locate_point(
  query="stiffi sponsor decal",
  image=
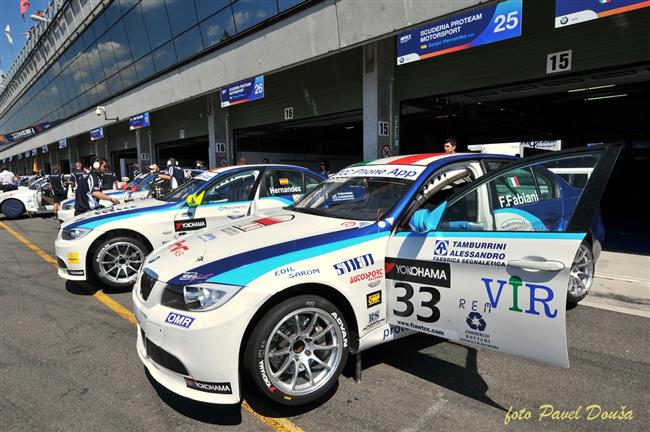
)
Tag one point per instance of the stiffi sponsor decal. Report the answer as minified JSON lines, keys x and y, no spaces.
{"x":220,"y":388}
{"x":179,"y":320}
{"x":190,"y":225}
{"x":424,"y":272}
{"x":354,"y":264}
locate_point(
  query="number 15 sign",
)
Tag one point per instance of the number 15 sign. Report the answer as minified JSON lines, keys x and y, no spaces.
{"x":243,"y":91}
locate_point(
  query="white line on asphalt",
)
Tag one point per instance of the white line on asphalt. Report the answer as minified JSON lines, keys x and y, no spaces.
{"x":619,"y":309}
{"x":619,"y":278}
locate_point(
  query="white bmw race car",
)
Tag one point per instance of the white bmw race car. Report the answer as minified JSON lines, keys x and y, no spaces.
{"x":429,"y":243}
{"x":111,"y":243}
{"x":27,"y":199}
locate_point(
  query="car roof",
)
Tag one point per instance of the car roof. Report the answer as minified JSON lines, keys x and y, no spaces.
{"x":232,"y":167}
{"x":425,"y":159}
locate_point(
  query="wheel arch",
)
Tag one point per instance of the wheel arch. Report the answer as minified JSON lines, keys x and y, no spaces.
{"x":114,"y":233}
{"x":22,"y":203}
{"x":322,"y":290}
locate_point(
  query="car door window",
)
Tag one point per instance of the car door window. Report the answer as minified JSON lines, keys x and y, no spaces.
{"x":279,"y":182}
{"x":231,"y":188}
{"x":311,"y":182}
{"x":528,"y":198}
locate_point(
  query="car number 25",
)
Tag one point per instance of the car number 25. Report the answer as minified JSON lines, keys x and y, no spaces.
{"x":424,"y":297}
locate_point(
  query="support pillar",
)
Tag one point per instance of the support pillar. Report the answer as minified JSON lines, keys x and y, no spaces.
{"x":378,"y":99}
{"x":220,"y":149}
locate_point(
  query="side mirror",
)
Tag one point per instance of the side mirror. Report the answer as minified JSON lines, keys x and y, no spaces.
{"x":424,"y":221}
{"x":194,"y":200}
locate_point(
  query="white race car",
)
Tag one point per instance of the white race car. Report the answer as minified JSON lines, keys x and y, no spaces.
{"x":111,"y":244}
{"x":27,"y":199}
{"x":379,"y":250}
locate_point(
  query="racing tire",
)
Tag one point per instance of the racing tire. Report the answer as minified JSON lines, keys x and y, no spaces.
{"x":582,"y":273}
{"x":116,"y":261}
{"x":12,"y":208}
{"x":294,"y":361}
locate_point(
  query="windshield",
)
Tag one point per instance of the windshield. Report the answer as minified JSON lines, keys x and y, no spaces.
{"x":187,"y":189}
{"x":356,"y":198}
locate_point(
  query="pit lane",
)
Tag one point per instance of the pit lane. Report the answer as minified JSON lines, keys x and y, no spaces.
{"x":68,"y":362}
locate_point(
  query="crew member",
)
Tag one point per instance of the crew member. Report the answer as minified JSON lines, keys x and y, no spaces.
{"x":174,"y":173}
{"x":7,"y":179}
{"x":58,"y":187}
{"x":109,"y":179}
{"x":449,"y":146}
{"x":77,"y":172}
{"x":88,"y":192}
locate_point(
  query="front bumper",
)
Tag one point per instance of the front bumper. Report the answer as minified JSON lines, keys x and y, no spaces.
{"x":206,"y":352}
{"x":71,"y":256}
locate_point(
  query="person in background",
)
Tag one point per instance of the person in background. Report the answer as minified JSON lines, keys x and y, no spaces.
{"x":242,"y":161}
{"x":58,"y":187}
{"x":77,"y":172}
{"x":449,"y":146}
{"x":8,"y":180}
{"x":108,"y":178}
{"x":201,"y":165}
{"x":135,"y":171}
{"x":325,"y":168}
{"x":89,"y":191}
{"x":174,"y":173}
{"x":265,"y":160}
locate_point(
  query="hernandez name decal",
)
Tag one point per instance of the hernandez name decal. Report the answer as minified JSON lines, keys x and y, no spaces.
{"x":221,"y":388}
{"x":190,"y":225}
{"x":424,"y":272}
{"x":284,"y":190}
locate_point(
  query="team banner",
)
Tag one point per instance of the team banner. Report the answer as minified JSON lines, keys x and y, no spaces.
{"x":243,"y":91}
{"x":44,"y":149}
{"x":22,"y":134}
{"x":34,"y":152}
{"x":63,"y":143}
{"x":139,"y":121}
{"x":97,"y":134}
{"x":569,"y":12}
{"x":480,"y":26}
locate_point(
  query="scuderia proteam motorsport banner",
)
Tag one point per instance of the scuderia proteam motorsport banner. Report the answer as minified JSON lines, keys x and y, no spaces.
{"x":493,"y":22}
{"x":568,"y":12}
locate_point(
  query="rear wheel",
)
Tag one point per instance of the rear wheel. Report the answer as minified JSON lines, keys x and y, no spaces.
{"x":116,"y":261}
{"x":297,"y":350}
{"x":582,"y":274}
{"x":12,"y":208}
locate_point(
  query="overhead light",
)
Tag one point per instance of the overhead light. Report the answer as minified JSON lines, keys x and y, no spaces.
{"x":349,"y":127}
{"x":591,"y":88}
{"x":606,"y":97}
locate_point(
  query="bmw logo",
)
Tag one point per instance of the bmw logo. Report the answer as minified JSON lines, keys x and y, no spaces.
{"x":564,"y":20}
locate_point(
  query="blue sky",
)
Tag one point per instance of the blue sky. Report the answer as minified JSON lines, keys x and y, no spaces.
{"x":10,"y":14}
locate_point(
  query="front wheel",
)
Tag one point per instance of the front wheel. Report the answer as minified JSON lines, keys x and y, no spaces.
{"x":582,"y":274}
{"x":116,"y":261}
{"x":297,"y":350}
{"x":12,"y":208}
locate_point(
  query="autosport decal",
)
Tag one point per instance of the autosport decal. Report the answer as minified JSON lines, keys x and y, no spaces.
{"x":219,"y":388}
{"x":237,"y":269}
{"x":190,"y":225}
{"x":424,"y":272}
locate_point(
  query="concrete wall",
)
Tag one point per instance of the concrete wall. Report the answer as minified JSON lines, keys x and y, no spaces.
{"x":319,"y":30}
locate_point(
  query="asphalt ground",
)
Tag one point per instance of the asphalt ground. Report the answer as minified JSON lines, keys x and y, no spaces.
{"x":68,"y":362}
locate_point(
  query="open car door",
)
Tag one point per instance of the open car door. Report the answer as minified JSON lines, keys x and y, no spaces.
{"x":490,"y":265}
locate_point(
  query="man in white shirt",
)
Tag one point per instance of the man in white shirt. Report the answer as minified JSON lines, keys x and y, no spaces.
{"x":7,"y":179}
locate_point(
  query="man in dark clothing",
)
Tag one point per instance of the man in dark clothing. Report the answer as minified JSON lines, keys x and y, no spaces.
{"x":174,"y":173}
{"x":57,"y":185}
{"x":89,"y":189}
{"x":109,"y":179}
{"x":77,"y":172}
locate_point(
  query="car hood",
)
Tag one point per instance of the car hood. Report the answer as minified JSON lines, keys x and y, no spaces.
{"x":95,"y":218}
{"x":239,"y":252}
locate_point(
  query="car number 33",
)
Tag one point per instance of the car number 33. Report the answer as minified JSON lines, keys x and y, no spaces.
{"x":426,"y":299}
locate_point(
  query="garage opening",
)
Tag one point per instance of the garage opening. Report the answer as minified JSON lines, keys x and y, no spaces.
{"x":604,"y":107}
{"x":336,"y":138}
{"x":185,"y":151}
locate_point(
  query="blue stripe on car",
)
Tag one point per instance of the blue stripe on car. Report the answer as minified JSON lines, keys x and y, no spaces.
{"x":242,"y":268}
{"x":98,"y":220}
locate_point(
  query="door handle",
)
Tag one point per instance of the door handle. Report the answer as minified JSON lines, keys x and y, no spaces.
{"x":235,"y":215}
{"x":554,"y":266}
{"x":185,"y":214}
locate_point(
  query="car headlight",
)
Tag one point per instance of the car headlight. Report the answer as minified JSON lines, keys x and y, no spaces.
{"x":74,"y":233}
{"x":198,"y":297}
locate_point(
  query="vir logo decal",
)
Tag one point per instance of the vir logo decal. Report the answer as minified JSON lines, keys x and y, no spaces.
{"x":515,"y":282}
{"x":441,"y":247}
